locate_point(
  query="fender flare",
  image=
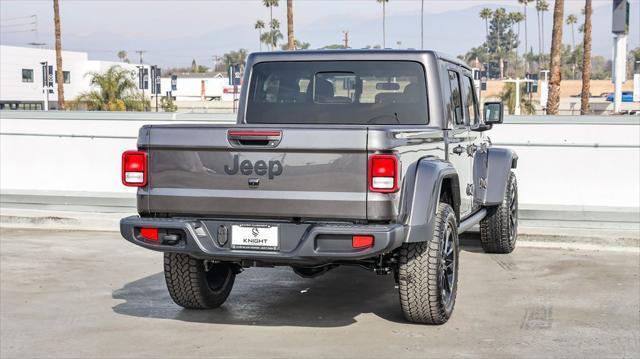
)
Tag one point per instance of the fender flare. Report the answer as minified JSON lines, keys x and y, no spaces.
{"x":422,"y":196}
{"x":491,"y":169}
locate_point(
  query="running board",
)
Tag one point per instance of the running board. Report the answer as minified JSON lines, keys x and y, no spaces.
{"x":472,"y":220}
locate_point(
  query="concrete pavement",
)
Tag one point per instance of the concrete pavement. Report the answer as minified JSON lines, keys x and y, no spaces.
{"x":91,"y":294}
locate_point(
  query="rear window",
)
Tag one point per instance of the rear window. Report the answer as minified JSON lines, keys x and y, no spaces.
{"x":338,"y":92}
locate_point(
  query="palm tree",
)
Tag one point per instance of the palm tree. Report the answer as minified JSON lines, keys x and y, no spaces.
{"x":115,"y":90}
{"x":270,"y":4}
{"x":516,"y":18}
{"x":122,"y":55}
{"x":508,"y":97}
{"x":553,"y":102}
{"x":259,"y":26}
{"x":59,"y":75}
{"x":291,"y":45}
{"x":486,"y":14}
{"x":526,"y":45}
{"x":586,"y":59}
{"x":541,"y":7}
{"x":571,"y":21}
{"x":272,"y":37}
{"x":422,"y":24}
{"x":384,"y":29}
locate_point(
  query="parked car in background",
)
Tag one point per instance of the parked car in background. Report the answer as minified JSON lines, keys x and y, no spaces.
{"x":627,"y":96}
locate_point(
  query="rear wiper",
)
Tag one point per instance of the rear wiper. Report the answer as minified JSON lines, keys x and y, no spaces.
{"x":394,"y":116}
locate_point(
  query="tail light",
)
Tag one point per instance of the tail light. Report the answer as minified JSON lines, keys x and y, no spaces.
{"x":134,"y":168}
{"x":383,"y":173}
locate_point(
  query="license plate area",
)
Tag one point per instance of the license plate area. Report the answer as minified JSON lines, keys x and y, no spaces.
{"x":255,"y":236}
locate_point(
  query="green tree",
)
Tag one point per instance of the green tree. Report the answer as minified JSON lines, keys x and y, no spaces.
{"x":259,"y":25}
{"x":167,"y":104}
{"x":486,"y":14}
{"x":541,"y":7}
{"x":114,"y":90}
{"x":272,"y":36}
{"x":384,"y":22}
{"x":571,"y":21}
{"x":194,"y":66}
{"x":122,"y":56}
{"x":235,"y":57}
{"x":335,"y":47}
{"x":501,"y":38}
{"x":298,"y":45}
{"x":526,"y":35}
{"x":508,"y":97}
{"x":271,"y":4}
{"x":516,"y":18}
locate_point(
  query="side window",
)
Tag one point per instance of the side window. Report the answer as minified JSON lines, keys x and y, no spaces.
{"x":470,"y":104}
{"x":456,"y":98}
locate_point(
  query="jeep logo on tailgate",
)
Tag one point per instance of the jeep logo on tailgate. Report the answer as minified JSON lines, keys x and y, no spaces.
{"x":260,"y":168}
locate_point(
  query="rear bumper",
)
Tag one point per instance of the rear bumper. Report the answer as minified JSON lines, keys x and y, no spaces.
{"x":300,"y":244}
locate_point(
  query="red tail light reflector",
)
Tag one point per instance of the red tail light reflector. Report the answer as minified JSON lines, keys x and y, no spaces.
{"x":361,"y":242}
{"x":134,"y":168}
{"x":149,"y":233}
{"x":383,"y":173}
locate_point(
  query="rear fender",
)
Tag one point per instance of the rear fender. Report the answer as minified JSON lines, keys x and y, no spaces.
{"x":422,"y":196}
{"x":491,"y":170}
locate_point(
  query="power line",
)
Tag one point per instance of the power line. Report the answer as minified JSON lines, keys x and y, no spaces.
{"x":17,"y":18}
{"x":13,"y":32}
{"x":23,"y":24}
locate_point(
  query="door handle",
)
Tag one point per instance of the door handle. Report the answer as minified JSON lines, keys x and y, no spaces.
{"x":471,"y":149}
{"x":458,"y":150}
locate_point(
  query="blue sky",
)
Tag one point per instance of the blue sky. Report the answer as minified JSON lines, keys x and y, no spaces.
{"x":175,"y":32}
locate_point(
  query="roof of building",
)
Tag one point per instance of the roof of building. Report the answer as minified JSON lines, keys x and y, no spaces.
{"x":197,"y":75}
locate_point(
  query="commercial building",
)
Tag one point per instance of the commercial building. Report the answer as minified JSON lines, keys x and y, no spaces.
{"x":21,"y":75}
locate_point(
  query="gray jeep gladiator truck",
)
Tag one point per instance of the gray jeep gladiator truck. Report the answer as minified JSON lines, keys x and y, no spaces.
{"x":373,"y":158}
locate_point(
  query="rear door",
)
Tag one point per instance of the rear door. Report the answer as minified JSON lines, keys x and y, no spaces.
{"x":458,"y":138}
{"x":258,"y":172}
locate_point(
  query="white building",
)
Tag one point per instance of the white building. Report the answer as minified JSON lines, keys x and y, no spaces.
{"x":21,"y":85}
{"x":198,"y":87}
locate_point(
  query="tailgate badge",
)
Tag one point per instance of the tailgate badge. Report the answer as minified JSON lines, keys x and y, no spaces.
{"x":254,"y":182}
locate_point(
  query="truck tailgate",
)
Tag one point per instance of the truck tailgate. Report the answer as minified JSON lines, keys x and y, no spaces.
{"x":233,"y":171}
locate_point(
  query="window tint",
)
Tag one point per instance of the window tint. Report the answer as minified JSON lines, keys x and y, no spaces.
{"x":456,"y":98}
{"x":337,"y":92}
{"x":471,"y":105}
{"x":27,"y":75}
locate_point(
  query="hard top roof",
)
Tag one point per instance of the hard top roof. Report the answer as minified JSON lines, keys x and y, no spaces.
{"x":339,"y":54}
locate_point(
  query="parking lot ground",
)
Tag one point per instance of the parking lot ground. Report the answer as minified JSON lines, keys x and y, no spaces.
{"x":91,"y":294}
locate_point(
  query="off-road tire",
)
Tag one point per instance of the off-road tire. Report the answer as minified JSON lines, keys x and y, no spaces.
{"x":192,"y":286}
{"x":420,"y":272}
{"x":499,"y":229}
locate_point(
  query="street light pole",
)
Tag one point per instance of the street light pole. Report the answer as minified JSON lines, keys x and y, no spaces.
{"x":517,"y":81}
{"x":45,"y":85}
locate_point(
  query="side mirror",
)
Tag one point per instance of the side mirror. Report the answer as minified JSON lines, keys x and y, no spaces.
{"x":493,"y":113}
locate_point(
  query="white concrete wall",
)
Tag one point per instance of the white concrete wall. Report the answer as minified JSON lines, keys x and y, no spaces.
{"x":558,"y":164}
